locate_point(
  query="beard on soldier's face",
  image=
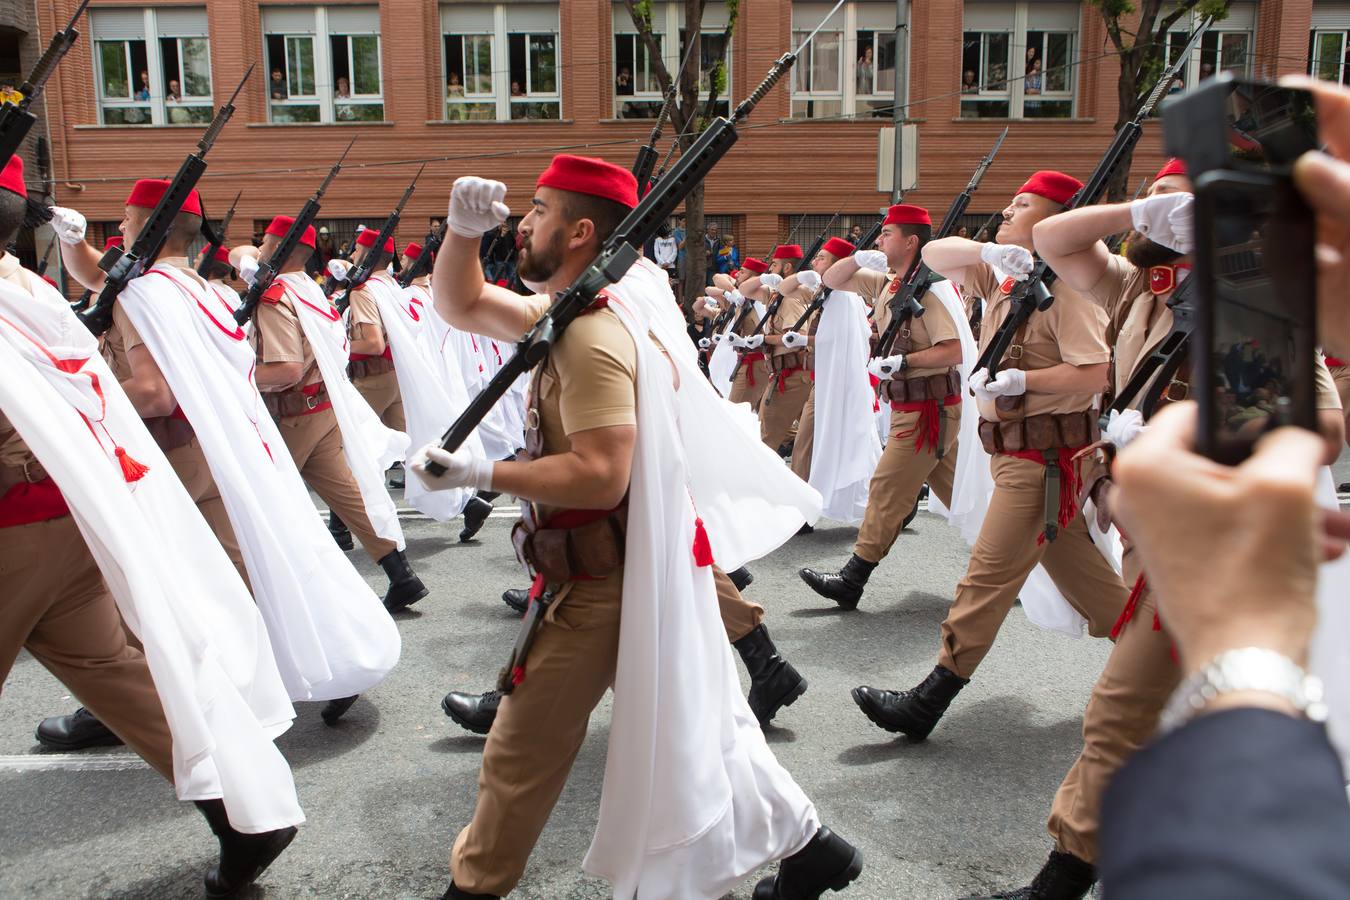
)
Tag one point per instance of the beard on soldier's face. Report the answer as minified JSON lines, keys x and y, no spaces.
{"x":1145,"y":254}
{"x":538,"y":262}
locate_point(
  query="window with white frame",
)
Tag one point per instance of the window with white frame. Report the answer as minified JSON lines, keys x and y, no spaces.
{"x":135,"y":86}
{"x":323,"y":64}
{"x":1019,"y":60}
{"x":1329,"y":42}
{"x":850,"y":66}
{"x":637,"y":91}
{"x":501,"y":61}
{"x":1225,"y":47}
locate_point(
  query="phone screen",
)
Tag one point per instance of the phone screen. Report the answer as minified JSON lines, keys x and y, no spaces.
{"x":1256,"y":255}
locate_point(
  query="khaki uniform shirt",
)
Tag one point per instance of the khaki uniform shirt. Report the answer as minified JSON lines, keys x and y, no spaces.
{"x":796,"y":299}
{"x":1072,"y":330}
{"x":364,"y":311}
{"x":123,"y":337}
{"x":933,"y":327}
{"x":279,"y":338}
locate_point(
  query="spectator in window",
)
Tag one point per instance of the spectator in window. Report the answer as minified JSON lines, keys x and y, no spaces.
{"x":344,"y":87}
{"x":623,"y":82}
{"x":968,"y":83}
{"x":998,"y":78}
{"x":1206,"y":70}
{"x":728,"y":256}
{"x":1032,"y":82}
{"x":175,"y":94}
{"x":866,"y":71}
{"x":1178,"y":85}
{"x":143,"y":92}
{"x":516,"y":90}
{"x":324,"y":250}
{"x":855,"y":234}
{"x":454,"y":91}
{"x":278,"y":85}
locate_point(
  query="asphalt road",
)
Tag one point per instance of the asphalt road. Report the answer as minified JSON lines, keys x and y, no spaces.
{"x":386,"y":791}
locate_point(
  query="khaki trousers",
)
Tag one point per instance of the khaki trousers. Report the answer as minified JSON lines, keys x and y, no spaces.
{"x":189,"y":464}
{"x":748,"y":386}
{"x":1341,"y":375}
{"x":900,"y":473}
{"x":381,"y":392}
{"x":779,"y":409}
{"x":1120,"y":718}
{"x":315,"y":442}
{"x":805,"y":444}
{"x":54,"y":603}
{"x":538,"y":731}
{"x":739,"y":615}
{"x":1004,"y":555}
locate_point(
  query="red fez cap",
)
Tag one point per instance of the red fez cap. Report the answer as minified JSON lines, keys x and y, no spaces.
{"x":114,"y":241}
{"x":788,"y":251}
{"x":222,"y":255}
{"x":12,"y":178}
{"x":583,"y":175}
{"x":1051,"y":185}
{"x":839,"y":248}
{"x":754,"y":265}
{"x":907,"y":214}
{"x":147,"y":192}
{"x":367,"y":239}
{"x":1173,"y":166}
{"x":413,"y":250}
{"x":282,"y":224}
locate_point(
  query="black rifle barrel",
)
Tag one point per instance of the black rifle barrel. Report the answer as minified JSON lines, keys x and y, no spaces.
{"x":362,"y":272}
{"x":420,"y":266}
{"x":216,"y":239}
{"x":15,"y":118}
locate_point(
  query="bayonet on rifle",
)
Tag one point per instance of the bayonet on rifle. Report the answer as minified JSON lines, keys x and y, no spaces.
{"x":362,"y":272}
{"x":216,"y":239}
{"x":121,"y":266}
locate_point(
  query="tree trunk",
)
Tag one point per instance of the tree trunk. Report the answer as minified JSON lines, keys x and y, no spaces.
{"x":695,"y":272}
{"x":1127,"y":98}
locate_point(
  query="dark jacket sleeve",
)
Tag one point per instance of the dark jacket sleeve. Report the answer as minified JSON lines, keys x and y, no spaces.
{"x":1245,"y":803}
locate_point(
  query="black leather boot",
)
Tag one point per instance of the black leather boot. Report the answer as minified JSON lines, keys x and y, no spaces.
{"x":333,"y":709}
{"x":341,"y":534}
{"x":77,"y":731}
{"x":405,"y":588}
{"x":243,"y":857}
{"x":476,"y":513}
{"x":397,"y":480}
{"x":846,"y":588}
{"x":742,"y":578}
{"x":805,"y":529}
{"x":517,"y":598}
{"x":1063,"y":877}
{"x":828,"y":862}
{"x":774,"y":683}
{"x":454,"y":893}
{"x":472,"y":712}
{"x":912,"y":713}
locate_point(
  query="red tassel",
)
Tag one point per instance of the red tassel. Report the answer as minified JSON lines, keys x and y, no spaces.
{"x":703,"y":555}
{"x":132,"y":471}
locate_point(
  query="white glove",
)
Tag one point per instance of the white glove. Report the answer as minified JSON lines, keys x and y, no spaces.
{"x":704,"y":343}
{"x":794,"y":339}
{"x":462,"y":469}
{"x":476,"y":206}
{"x":1007,"y":383}
{"x":717,"y":339}
{"x":754,"y":342}
{"x":711,"y":305}
{"x":68,"y":225}
{"x":977,"y":381}
{"x":1009,"y":259}
{"x":339,"y":268}
{"x":771,"y":281}
{"x":1123,"y":427}
{"x":808,"y":279}
{"x":735,"y":297}
{"x":737,"y":342}
{"x":872,"y":260}
{"x":1166,"y":219}
{"x":886,"y":366}
{"x":248,"y":267}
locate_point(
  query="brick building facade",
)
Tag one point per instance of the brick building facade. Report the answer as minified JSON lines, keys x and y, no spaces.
{"x":510,"y":82}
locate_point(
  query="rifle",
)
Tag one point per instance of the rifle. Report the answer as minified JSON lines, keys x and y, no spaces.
{"x":420,"y":266}
{"x":15,"y":119}
{"x":1164,"y":360}
{"x":361,"y":274}
{"x":646,"y":156}
{"x":82,"y":304}
{"x":822,"y":293}
{"x":122,"y":266}
{"x":1034,"y":293}
{"x":617,"y":254}
{"x":906,"y":302}
{"x":777,"y":301}
{"x":269,"y":269}
{"x":46,"y":259}
{"x":216,"y":239}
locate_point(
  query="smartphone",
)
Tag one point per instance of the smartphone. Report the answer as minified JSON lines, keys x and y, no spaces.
{"x":1254,"y":348}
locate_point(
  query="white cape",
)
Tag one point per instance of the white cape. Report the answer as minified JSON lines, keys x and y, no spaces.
{"x":330,"y":634}
{"x":369,"y":447}
{"x":1329,"y":657}
{"x":722,"y":362}
{"x":205,"y":643}
{"x":846,"y":446}
{"x":678,"y":706}
{"x":430,"y":401}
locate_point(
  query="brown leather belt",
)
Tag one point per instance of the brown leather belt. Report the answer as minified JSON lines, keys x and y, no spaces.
{"x":31,"y":472}
{"x":294,"y":402}
{"x":788,"y":361}
{"x":170,"y":432}
{"x":1048,"y":431}
{"x":589,"y":551}
{"x":920,"y":389}
{"x":367,"y":368}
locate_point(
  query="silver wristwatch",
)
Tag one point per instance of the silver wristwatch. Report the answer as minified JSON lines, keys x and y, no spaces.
{"x":1245,"y":669}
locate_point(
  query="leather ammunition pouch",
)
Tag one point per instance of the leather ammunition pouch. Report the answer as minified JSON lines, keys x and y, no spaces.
{"x":788,"y":362}
{"x":367,"y":368}
{"x":294,"y":402}
{"x":1048,"y":431}
{"x":589,"y":551}
{"x":921,"y":389}
{"x":170,"y":432}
